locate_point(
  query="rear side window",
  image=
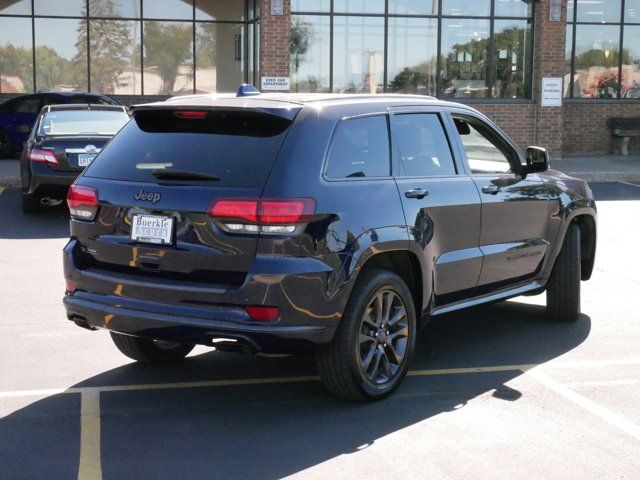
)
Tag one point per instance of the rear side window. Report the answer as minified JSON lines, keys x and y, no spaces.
{"x":422,"y":145}
{"x":359,"y":148}
{"x":238,"y":147}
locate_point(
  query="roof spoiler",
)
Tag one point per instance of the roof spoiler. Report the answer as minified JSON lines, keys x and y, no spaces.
{"x":247,"y":90}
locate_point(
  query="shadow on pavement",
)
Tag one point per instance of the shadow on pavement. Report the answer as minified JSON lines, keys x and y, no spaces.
{"x":606,"y":191}
{"x":49,"y":222}
{"x":271,"y":431}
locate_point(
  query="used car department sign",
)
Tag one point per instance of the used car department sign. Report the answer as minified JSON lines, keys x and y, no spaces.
{"x":276,"y":83}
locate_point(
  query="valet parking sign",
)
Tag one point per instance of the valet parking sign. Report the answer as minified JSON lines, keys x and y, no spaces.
{"x":275,"y":83}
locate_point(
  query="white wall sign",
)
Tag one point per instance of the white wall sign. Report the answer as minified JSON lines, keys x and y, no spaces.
{"x":275,"y":83}
{"x":277,"y":7}
{"x":551,"y":92}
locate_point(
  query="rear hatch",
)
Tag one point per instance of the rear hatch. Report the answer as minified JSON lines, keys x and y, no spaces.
{"x":156,"y":182}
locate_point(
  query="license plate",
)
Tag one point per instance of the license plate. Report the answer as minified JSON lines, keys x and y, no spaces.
{"x":155,"y":229}
{"x":84,"y":159}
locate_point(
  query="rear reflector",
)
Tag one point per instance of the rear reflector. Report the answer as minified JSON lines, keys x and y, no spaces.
{"x":37,"y":155}
{"x":71,"y":287}
{"x":82,"y":202}
{"x":263,"y":313}
{"x":190,"y":114}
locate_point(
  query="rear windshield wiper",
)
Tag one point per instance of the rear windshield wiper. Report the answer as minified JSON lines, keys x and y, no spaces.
{"x":183,"y":175}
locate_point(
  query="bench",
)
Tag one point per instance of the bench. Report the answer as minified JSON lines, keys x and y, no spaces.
{"x":622,"y":129}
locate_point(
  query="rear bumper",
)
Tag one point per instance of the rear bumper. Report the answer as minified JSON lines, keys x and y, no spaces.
{"x":45,"y":181}
{"x":177,"y":312}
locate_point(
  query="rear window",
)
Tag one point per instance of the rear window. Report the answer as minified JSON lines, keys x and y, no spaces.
{"x":82,"y":122}
{"x":237,"y":147}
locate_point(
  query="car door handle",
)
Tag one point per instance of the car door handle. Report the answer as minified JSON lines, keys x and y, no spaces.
{"x":416,"y":193}
{"x":491,"y":189}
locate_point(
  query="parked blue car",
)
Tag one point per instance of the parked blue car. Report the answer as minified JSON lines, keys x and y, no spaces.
{"x":18,"y":115}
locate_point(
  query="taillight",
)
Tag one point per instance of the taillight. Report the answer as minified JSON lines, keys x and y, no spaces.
{"x":271,"y":216}
{"x":190,"y":114}
{"x":71,"y":286}
{"x":82,"y":202}
{"x":268,"y":314}
{"x":37,"y":155}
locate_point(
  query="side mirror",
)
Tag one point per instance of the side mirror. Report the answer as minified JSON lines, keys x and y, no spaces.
{"x":537,"y":160}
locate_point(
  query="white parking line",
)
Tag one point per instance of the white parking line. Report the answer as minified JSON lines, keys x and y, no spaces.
{"x":90,"y":467}
{"x":604,"y":383}
{"x":607,"y":415}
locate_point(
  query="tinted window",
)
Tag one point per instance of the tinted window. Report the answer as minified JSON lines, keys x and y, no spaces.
{"x":359,"y":148}
{"x":238,"y":147}
{"x":485,"y":152}
{"x":27,"y":105}
{"x":422,"y":146}
{"x":82,"y":122}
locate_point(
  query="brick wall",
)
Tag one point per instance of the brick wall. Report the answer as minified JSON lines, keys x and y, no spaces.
{"x":585,"y":126}
{"x":516,"y":119}
{"x":274,"y":40}
{"x":548,"y":62}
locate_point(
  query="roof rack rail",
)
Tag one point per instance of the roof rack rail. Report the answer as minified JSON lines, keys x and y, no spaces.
{"x":247,"y":90}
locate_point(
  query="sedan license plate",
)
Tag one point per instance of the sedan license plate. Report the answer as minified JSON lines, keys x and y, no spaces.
{"x":84,"y":159}
{"x":155,"y":229}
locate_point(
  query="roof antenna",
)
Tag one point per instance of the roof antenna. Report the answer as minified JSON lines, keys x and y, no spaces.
{"x":247,"y":90}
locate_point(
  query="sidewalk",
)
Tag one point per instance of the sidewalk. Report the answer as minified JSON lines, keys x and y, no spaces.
{"x":595,"y":168}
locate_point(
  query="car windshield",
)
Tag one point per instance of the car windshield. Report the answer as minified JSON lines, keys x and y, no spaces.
{"x":82,"y":122}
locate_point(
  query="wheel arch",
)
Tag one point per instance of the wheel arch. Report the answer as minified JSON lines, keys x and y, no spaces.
{"x":587,"y":225}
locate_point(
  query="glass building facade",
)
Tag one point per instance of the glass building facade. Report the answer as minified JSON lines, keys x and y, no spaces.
{"x":447,"y":48}
{"x":127,"y":47}
{"x":602,"y":56}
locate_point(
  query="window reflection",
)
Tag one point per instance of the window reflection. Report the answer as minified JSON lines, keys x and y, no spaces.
{"x":168,"y":9}
{"x":630,"y":87}
{"x":219,"y":57}
{"x":465,"y":53}
{"x":598,"y":10}
{"x":115,"y":57}
{"x":358,"y":54}
{"x":61,"y":55}
{"x":219,"y":10}
{"x":309,"y":67}
{"x":310,"y":5}
{"x":413,"y":7}
{"x":511,"y":61}
{"x":358,"y":6}
{"x":512,"y":8}
{"x":466,"y":7}
{"x":16,"y":65}
{"x":596,"y":62}
{"x":411,"y":66}
{"x":567,"y":61}
{"x":67,"y":8}
{"x":632,"y":11}
{"x":168,"y":58}
{"x":114,"y":8}
{"x":13,"y":7}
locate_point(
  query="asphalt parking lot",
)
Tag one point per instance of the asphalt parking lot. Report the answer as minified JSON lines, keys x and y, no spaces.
{"x":496,"y":392}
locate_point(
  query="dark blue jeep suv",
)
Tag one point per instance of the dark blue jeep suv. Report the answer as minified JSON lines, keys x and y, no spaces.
{"x":330,"y":225}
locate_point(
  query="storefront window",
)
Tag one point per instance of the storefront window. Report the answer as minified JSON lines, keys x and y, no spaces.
{"x":168,"y":58}
{"x":466,"y":8}
{"x":413,"y":47}
{"x":310,"y":50}
{"x":310,"y":5}
{"x":598,"y":11}
{"x":67,"y":8}
{"x":568,"y":83}
{"x":219,"y":10}
{"x":358,"y":6}
{"x":61,"y":55}
{"x":631,"y":62}
{"x":358,"y":54}
{"x":16,"y":66}
{"x":219,"y":57}
{"x":512,"y":8}
{"x":465,"y":50}
{"x":168,"y":9}
{"x":115,"y":57}
{"x":632,"y":11}
{"x":114,"y":8}
{"x":21,"y":7}
{"x":413,"y":7}
{"x":512,"y":51}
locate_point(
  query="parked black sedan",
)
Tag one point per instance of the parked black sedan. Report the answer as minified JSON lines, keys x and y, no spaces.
{"x":63,"y":141}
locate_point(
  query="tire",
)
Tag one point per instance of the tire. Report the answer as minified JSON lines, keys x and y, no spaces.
{"x":343,"y":366}
{"x":5,"y":145}
{"x":30,"y":203}
{"x":145,"y":350}
{"x":563,"y":289}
